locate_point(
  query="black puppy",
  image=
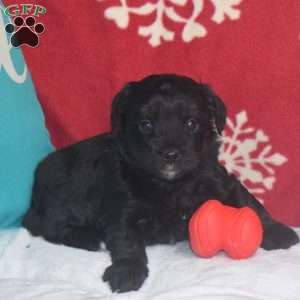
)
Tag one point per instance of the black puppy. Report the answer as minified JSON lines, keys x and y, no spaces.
{"x":140,"y":184}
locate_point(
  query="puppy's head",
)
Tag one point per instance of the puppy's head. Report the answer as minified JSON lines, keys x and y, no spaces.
{"x":167,"y":125}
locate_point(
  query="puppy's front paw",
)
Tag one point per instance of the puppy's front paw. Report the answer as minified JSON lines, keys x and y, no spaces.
{"x":125,"y":275}
{"x":279,"y":236}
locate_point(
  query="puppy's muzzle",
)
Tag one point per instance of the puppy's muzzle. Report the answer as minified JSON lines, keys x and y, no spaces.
{"x":171,"y":156}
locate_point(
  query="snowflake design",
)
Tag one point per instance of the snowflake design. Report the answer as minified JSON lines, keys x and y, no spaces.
{"x":246,"y":152}
{"x":157,"y":31}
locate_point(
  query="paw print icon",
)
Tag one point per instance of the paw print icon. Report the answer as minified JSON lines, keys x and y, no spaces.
{"x":24,"y":32}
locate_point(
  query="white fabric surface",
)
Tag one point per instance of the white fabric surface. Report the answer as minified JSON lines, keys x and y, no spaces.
{"x":31,"y":268}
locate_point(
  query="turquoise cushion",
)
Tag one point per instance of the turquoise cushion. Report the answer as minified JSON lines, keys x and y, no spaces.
{"x":24,"y":140}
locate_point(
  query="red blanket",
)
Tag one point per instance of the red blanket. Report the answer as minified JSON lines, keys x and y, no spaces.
{"x":249,"y":51}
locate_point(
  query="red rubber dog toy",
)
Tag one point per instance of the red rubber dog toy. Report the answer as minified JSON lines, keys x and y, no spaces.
{"x":214,"y":227}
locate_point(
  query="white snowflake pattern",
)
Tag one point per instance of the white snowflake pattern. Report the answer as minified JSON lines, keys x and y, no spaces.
{"x":246,"y":152}
{"x":157,"y":31}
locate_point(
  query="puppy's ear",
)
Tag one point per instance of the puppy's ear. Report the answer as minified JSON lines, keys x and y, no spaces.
{"x":118,"y":105}
{"x":216,"y":107}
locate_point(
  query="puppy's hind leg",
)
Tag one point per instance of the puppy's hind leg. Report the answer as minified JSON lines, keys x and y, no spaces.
{"x":47,"y":217}
{"x":84,"y":237}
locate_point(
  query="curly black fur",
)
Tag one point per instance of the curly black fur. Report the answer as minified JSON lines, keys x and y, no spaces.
{"x":140,"y":184}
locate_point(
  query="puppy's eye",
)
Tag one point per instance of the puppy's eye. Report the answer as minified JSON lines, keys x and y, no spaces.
{"x":192,"y":125}
{"x":145,"y":126}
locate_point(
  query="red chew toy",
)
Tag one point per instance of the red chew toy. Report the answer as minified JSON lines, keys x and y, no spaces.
{"x":214,"y":227}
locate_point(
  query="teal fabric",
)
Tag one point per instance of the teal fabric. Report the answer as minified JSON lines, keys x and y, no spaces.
{"x":24,"y":140}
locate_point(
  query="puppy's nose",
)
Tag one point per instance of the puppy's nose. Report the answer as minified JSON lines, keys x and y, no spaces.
{"x":171,"y":156}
